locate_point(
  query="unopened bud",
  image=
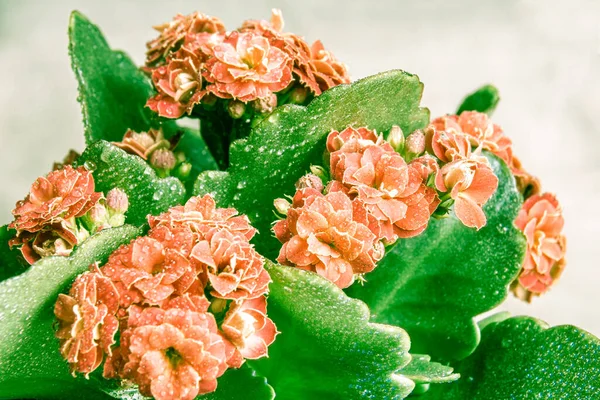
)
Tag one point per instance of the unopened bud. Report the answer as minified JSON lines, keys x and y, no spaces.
{"x":209,"y":100}
{"x":310,"y":181}
{"x":163,"y":159}
{"x":319,"y":172}
{"x":396,"y":138}
{"x":265,"y":105}
{"x":184,"y":170}
{"x":298,"y":95}
{"x":218,"y":305}
{"x":415,"y":143}
{"x":117,"y":200}
{"x":282,"y":206}
{"x":98,"y":214}
{"x":236,"y":109}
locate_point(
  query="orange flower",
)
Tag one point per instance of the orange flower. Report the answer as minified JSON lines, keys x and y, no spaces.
{"x":234,"y":269}
{"x":179,"y":84}
{"x":542,"y":222}
{"x":247,"y":331}
{"x":200,"y":216}
{"x":321,"y":234}
{"x":174,"y":353}
{"x":149,"y":268}
{"x":447,"y":145}
{"x":87,"y":321}
{"x":52,"y":206}
{"x":398,"y":202}
{"x":144,"y":143}
{"x":184,"y":28}
{"x":471,"y":183}
{"x":246,"y":67}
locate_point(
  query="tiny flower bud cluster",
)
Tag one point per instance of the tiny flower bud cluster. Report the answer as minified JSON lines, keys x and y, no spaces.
{"x":195,"y":60}
{"x":157,"y":151}
{"x":187,"y":301}
{"x":62,"y":210}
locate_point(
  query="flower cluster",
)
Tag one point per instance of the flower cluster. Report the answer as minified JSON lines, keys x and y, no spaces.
{"x":187,"y":301}
{"x":374,"y":197}
{"x":196,"y":61}
{"x":61,"y":210}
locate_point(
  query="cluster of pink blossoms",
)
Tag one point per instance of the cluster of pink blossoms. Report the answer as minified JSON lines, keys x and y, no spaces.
{"x":451,"y":138}
{"x":61,"y":210}
{"x":188,"y":301}
{"x":194,"y":60}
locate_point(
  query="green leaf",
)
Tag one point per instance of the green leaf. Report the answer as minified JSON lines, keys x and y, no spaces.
{"x":148,"y":194}
{"x":112,"y":90}
{"x":30,"y":362}
{"x":421,"y":370}
{"x":485,"y":99}
{"x":327,"y":348}
{"x":11,"y":261}
{"x":196,"y":153}
{"x":281,"y":148}
{"x":434,"y":284}
{"x":521,"y":358}
{"x":113,"y":94}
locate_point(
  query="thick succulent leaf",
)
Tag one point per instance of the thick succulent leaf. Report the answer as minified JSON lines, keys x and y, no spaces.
{"x":11,"y":261}
{"x":521,"y":358}
{"x":281,"y":148}
{"x":30,"y":363}
{"x":112,"y":90}
{"x":148,"y":194}
{"x":485,"y":99}
{"x":327,"y":348}
{"x":422,"y":370}
{"x":434,"y":284}
{"x":113,"y":94}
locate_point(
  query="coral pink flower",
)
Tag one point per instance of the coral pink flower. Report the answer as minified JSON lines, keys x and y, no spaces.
{"x":398,"y":202}
{"x":201,"y":216}
{"x":542,"y":222}
{"x":87,"y":321}
{"x":52,"y":204}
{"x":248,"y":331}
{"x":144,"y":143}
{"x":148,"y":267}
{"x":183,"y":28}
{"x":179,"y":84}
{"x":471,"y":183}
{"x":234,"y":269}
{"x":174,"y":353}
{"x":447,"y":145}
{"x":321,"y":235}
{"x":246,"y":67}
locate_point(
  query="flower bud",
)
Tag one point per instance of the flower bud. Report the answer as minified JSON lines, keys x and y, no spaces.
{"x":320,"y":172}
{"x":282,"y":206}
{"x":117,"y":200}
{"x":209,"y":100}
{"x":298,"y":95}
{"x":236,"y":109}
{"x":396,"y":138}
{"x":163,"y":159}
{"x":415,"y":144}
{"x":184,"y":169}
{"x":265,"y":105}
{"x":310,"y":181}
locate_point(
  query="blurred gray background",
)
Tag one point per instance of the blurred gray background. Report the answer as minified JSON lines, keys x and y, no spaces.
{"x":543,"y":55}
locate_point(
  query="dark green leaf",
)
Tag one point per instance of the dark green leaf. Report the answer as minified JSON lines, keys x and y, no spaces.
{"x":422,"y":370}
{"x":30,"y":363}
{"x":328,"y":349}
{"x":11,"y":261}
{"x":148,"y":194}
{"x":112,"y":90}
{"x":485,"y":99}
{"x":521,"y":358}
{"x":434,"y":284}
{"x":196,"y":153}
{"x":282,"y":147}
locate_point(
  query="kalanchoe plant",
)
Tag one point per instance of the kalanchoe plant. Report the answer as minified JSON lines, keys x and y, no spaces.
{"x":147,"y":265}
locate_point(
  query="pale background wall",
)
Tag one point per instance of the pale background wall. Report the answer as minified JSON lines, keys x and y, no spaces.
{"x":543,"y":55}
